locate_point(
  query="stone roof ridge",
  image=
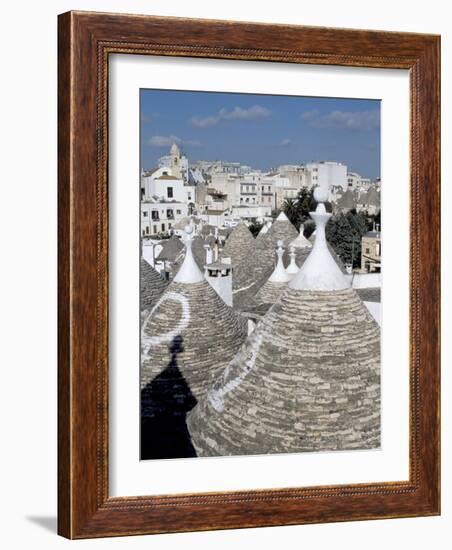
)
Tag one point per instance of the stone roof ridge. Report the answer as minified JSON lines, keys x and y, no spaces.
{"x":189,"y":271}
{"x":264,"y":228}
{"x":320,"y":271}
{"x":279,"y":274}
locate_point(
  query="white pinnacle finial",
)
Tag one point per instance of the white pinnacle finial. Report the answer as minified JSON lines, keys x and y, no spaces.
{"x":320,"y":271}
{"x":189,"y":271}
{"x":301,"y":241}
{"x":292,"y":269}
{"x":279,"y":274}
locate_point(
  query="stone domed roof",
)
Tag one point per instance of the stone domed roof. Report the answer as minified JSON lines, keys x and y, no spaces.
{"x":152,"y":286}
{"x":171,"y":249}
{"x":208,"y":331}
{"x":276,"y":284}
{"x":239,"y":245}
{"x":347,"y":200}
{"x":306,"y":379}
{"x":281,"y":230}
{"x":373,"y":197}
{"x":211,"y":334}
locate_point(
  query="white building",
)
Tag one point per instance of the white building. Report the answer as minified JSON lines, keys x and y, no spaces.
{"x":295,"y":174}
{"x":164,"y":200}
{"x":158,"y":216}
{"x":251,"y":212}
{"x":326,"y":174}
{"x":356,"y":182}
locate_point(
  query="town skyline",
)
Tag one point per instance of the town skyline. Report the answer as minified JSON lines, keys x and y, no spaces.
{"x":262,"y":131}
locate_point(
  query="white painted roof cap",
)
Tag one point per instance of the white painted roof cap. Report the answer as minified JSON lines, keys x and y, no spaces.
{"x":279,"y":274}
{"x":189,"y":272}
{"x":320,"y":271}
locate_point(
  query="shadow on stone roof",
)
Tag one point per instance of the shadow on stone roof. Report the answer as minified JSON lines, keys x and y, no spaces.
{"x":165,"y":402}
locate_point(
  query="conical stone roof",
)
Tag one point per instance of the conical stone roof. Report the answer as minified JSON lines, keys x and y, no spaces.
{"x":306,"y":379}
{"x":281,"y":230}
{"x":373,"y":197}
{"x":270,"y":292}
{"x":239,"y":247}
{"x":211,"y":334}
{"x":171,"y":249}
{"x":208,"y":332}
{"x":347,"y":200}
{"x":152,"y":286}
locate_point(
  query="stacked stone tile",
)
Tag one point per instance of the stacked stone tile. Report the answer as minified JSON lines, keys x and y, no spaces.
{"x":152,"y":286}
{"x":281,"y":230}
{"x":171,"y":249}
{"x":207,"y":331}
{"x":239,"y":246}
{"x":347,"y":201}
{"x":306,"y":379}
{"x":260,"y":265}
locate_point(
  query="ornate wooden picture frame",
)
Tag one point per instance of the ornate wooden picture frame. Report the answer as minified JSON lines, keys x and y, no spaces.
{"x":86,"y":40}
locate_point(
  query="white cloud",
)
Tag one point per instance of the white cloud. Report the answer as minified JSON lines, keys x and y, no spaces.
{"x":205,"y":122}
{"x":163,"y":141}
{"x":354,"y":120}
{"x":237,"y":113}
{"x":309,"y":115}
{"x":285,"y":142}
{"x":167,"y":141}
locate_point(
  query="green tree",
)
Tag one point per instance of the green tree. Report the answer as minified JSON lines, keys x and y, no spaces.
{"x":344,"y":233}
{"x":297,"y":209}
{"x":255,"y":227}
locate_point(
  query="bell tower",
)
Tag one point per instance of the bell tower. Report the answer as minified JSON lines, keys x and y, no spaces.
{"x":175,"y":161}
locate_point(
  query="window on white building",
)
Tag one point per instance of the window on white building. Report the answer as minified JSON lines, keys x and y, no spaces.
{"x":169,"y":192}
{"x":145,"y":214}
{"x":178,"y":212}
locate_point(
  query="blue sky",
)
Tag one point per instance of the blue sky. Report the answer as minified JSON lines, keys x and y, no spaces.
{"x":262,"y":131}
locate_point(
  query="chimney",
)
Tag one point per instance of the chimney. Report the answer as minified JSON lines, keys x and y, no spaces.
{"x":219,"y":277}
{"x":148,"y":252}
{"x":209,"y":254}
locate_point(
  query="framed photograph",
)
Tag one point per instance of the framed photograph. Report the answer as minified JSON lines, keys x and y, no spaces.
{"x":249,"y":258}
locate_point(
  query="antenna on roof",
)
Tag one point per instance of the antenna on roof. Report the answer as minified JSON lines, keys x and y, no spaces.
{"x":189,"y":271}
